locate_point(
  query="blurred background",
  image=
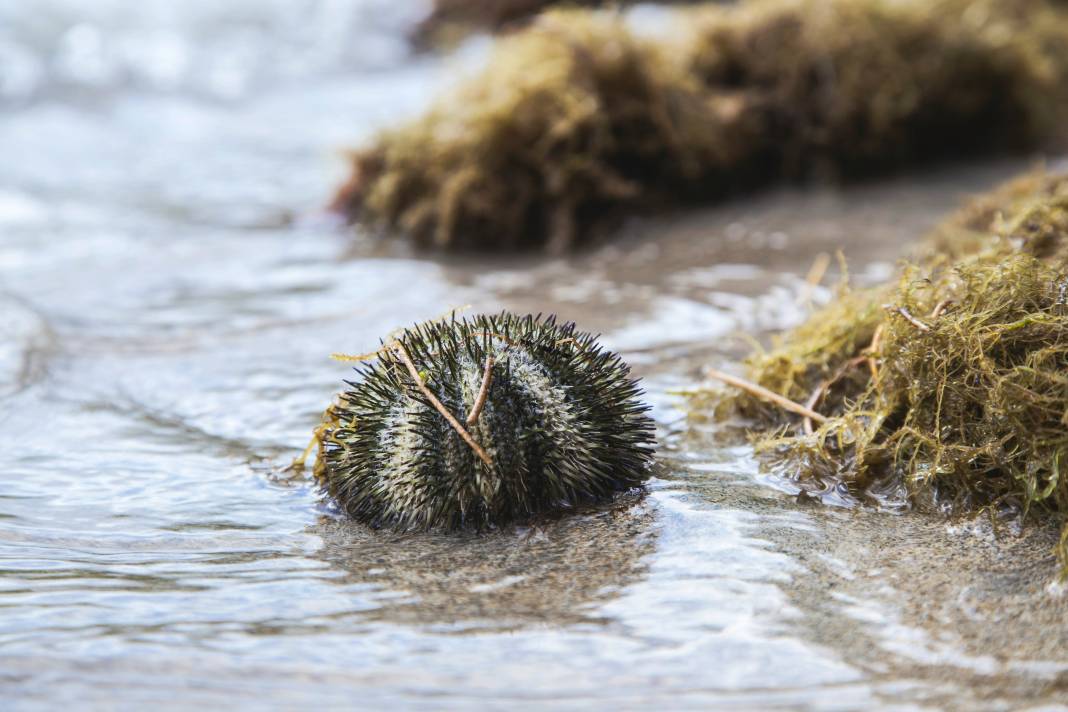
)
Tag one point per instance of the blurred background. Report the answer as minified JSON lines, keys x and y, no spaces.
{"x":171,"y":288}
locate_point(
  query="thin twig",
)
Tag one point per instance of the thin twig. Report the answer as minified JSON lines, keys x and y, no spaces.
{"x":940,"y":308}
{"x":825,"y":385}
{"x":764,"y":394}
{"x":873,"y":368}
{"x":810,"y":404}
{"x":873,"y":350}
{"x":907,"y":316}
{"x":814,"y":277}
{"x":483,"y":391}
{"x":403,"y":353}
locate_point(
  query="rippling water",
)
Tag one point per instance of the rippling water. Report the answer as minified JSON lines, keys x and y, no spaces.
{"x":169,"y":295}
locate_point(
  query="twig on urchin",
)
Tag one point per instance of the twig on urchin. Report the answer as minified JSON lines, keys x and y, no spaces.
{"x":403,"y":353}
{"x":483,"y":391}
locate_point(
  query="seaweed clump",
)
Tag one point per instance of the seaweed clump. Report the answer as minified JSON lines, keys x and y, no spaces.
{"x":951,"y":385}
{"x":552,"y":421}
{"x":574,"y":117}
{"x":454,"y":18}
{"x":577,"y":121}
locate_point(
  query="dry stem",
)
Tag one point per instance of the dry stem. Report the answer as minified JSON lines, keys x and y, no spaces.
{"x":483,"y":391}
{"x":764,"y":394}
{"x":825,"y":385}
{"x":940,"y":308}
{"x":907,"y":316}
{"x":814,"y":277}
{"x":438,"y":406}
{"x":873,"y":351}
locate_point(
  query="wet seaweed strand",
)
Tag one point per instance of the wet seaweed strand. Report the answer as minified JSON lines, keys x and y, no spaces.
{"x":967,"y":406}
{"x":578,"y":122}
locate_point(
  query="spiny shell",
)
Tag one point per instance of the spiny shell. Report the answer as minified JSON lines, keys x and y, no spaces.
{"x":562,"y":424}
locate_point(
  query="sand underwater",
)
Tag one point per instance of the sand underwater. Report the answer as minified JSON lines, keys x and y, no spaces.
{"x":167,"y":325}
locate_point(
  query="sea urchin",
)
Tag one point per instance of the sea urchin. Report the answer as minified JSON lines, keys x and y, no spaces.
{"x":472,"y":423}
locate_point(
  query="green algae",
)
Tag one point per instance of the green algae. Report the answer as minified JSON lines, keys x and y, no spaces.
{"x":953,"y":383}
{"x":578,"y":122}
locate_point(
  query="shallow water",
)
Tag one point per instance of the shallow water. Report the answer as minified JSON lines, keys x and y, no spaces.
{"x":169,"y":296}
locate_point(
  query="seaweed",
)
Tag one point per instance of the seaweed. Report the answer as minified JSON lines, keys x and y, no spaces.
{"x":578,"y":122}
{"x":851,"y":87}
{"x":452,"y":19}
{"x":953,"y":383}
{"x":574,"y":118}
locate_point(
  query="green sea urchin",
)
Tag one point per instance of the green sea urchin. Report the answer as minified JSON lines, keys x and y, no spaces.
{"x":471,"y":423}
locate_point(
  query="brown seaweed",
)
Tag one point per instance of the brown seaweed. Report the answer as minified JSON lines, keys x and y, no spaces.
{"x":954,"y":382}
{"x":578,"y":122}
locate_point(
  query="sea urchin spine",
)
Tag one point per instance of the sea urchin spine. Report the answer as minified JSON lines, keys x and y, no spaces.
{"x":471,"y":423}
